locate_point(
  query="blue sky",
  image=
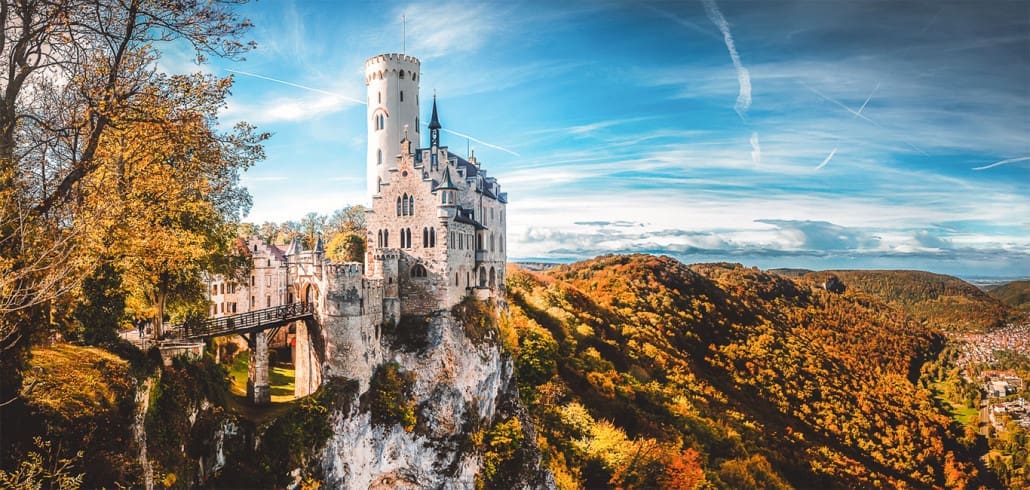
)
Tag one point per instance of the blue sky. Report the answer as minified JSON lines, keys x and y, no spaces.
{"x":818,"y":134}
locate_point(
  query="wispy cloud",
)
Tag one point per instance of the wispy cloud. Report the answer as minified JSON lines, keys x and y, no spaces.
{"x":1002,"y":162}
{"x":743,"y":77}
{"x":484,"y":143}
{"x":436,"y":29}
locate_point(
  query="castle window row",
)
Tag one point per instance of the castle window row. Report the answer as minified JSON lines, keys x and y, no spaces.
{"x":383,"y":239}
{"x":428,"y":237}
{"x":461,"y":241}
{"x":223,"y":288}
{"x":406,"y":205}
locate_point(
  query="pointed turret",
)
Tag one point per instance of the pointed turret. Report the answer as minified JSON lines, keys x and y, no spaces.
{"x":294,"y":247}
{"x":434,"y":122}
{"x":319,"y":245}
{"x":434,"y":131}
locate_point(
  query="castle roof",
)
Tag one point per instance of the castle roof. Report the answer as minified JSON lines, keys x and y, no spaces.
{"x":447,"y":184}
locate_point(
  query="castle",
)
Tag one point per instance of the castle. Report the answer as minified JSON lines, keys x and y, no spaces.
{"x":435,"y":235}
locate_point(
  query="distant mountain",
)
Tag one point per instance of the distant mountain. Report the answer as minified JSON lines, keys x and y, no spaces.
{"x":640,"y":371}
{"x":936,"y":300}
{"x":786,"y":272}
{"x":1015,"y":294}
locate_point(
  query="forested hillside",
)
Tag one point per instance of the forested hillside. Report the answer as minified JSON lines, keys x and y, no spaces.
{"x":643,"y":372}
{"x":936,"y":300}
{"x":1015,"y":294}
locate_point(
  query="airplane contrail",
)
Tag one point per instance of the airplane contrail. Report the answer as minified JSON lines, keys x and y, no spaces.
{"x":859,"y":114}
{"x":1002,"y":162}
{"x":743,"y":76}
{"x":491,"y":145}
{"x":297,"y":85}
{"x":828,"y":157}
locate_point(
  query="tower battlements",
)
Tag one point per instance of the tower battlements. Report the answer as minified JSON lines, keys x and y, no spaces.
{"x":392,"y":57}
{"x":345,"y":269}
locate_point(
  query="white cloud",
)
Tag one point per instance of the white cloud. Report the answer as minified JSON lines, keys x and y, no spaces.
{"x":435,"y":29}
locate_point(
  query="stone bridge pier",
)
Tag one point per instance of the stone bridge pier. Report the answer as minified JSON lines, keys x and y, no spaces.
{"x":258,"y":387}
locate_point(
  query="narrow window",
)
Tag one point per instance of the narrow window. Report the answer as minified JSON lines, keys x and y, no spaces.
{"x":380,"y":97}
{"x":379,"y":157}
{"x":432,"y":237}
{"x":425,"y":237}
{"x":411,"y":205}
{"x":268,"y":301}
{"x":386,"y":238}
{"x":398,"y":205}
{"x":402,"y":94}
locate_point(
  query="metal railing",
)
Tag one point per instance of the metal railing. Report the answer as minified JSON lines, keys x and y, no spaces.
{"x":250,"y":321}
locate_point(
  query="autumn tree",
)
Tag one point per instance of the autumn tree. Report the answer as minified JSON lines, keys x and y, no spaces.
{"x":73,"y":73}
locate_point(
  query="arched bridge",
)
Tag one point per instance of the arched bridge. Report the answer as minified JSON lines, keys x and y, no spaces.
{"x":245,"y":323}
{"x":258,"y":327}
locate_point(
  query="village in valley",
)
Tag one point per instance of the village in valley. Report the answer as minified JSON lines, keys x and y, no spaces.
{"x":1003,"y":391}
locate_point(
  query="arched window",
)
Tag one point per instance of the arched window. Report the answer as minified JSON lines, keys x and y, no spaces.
{"x":379,"y":240}
{"x":491,"y":242}
{"x":482,"y":277}
{"x":404,"y":204}
{"x":398,"y":205}
{"x":379,"y":157}
{"x":493,"y":278}
{"x":408,"y":233}
{"x":386,"y":238}
{"x":500,"y":243}
{"x":425,"y":237}
{"x":432,"y":237}
{"x":402,"y":77}
{"x":418,"y":270}
{"x":411,"y":205}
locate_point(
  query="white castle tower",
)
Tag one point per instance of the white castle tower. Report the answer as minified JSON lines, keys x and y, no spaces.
{"x":392,"y":81}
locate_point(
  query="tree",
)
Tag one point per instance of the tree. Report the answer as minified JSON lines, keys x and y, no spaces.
{"x":346,"y":247}
{"x":350,"y":218}
{"x":102,"y":306}
{"x":72,"y":72}
{"x":311,"y":227}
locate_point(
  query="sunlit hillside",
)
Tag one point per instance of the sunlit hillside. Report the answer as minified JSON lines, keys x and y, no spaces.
{"x":642,"y":371}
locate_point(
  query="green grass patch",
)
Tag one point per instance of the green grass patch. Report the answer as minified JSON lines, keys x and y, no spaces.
{"x":281,"y":379}
{"x":962,"y":414}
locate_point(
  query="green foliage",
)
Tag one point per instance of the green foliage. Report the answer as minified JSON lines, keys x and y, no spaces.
{"x":102,"y":307}
{"x":297,"y":435}
{"x":172,"y":438}
{"x":727,"y":375}
{"x":502,"y":455}
{"x":389,"y":397}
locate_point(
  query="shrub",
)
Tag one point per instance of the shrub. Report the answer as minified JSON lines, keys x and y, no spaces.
{"x":389,"y":397}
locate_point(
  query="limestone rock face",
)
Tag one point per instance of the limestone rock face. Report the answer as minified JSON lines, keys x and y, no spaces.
{"x":458,"y":384}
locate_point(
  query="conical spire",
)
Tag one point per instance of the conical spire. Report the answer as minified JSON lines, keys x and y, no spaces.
{"x":434,"y":122}
{"x":294,"y":247}
{"x":319,"y":245}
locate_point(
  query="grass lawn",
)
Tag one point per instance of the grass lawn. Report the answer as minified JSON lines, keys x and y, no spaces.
{"x":962,"y":414}
{"x":280,"y":378}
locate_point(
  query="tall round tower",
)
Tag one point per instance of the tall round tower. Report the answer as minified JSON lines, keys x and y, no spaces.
{"x":392,"y":81}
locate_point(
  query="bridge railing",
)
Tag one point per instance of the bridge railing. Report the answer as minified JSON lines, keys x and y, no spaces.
{"x":251,"y":320}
